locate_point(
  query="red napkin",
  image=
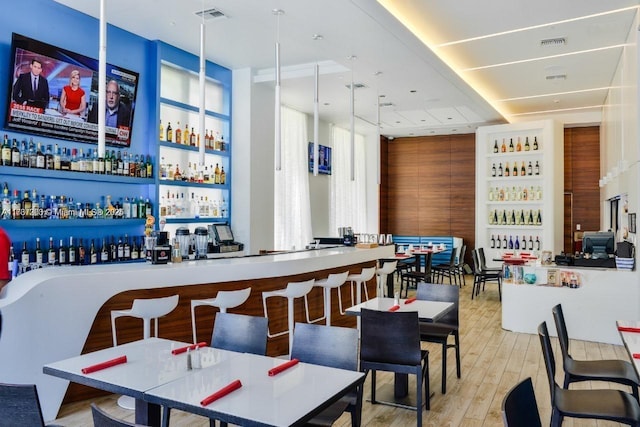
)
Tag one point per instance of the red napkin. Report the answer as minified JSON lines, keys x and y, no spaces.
{"x":410,"y":300}
{"x":188,"y":347}
{"x":103,"y":365}
{"x":628,"y":329}
{"x":395,"y":308}
{"x":282,"y":367}
{"x":636,"y":355}
{"x":221,"y":393}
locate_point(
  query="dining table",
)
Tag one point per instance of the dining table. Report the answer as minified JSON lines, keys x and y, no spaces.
{"x":428,"y":311}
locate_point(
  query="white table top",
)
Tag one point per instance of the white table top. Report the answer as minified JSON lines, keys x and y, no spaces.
{"x":289,"y":398}
{"x":631,"y":340}
{"x":428,"y":311}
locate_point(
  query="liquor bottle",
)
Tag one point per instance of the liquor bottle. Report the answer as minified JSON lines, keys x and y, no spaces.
{"x":537,"y":168}
{"x":493,"y":170}
{"x":495,"y":146}
{"x":535,"y":143}
{"x":40,"y":163}
{"x":516,"y":244}
{"x":73,"y":252}
{"x":223,"y":176}
{"x":177,"y":175}
{"x":519,"y":145}
{"x":6,"y":202}
{"x":161,"y":131}
{"x":113,"y":250}
{"x":223,"y":145}
{"x":120,"y":255}
{"x":119,"y":164}
{"x":125,"y":164}
{"x":539,"y":218}
{"x":104,"y":252}
{"x":507,"y":171}
{"x":26,"y":206}
{"x":216,"y":175}
{"x":493,"y":240}
{"x":93,"y":254}
{"x":503,"y":148}
{"x":65,"y":161}
{"x":35,"y":205}
{"x":82,"y":253}
{"x":500,"y":169}
{"x":16,"y":206}
{"x":114,"y":163}
{"x":25,"y":256}
{"x":6,"y":151}
{"x":15,"y":154}
{"x":57,"y":158}
{"x":169,"y":132}
{"x":24,"y":154}
{"x":530,"y":242}
{"x":149,"y":167}
{"x":192,"y":138}
{"x":186,"y":137}
{"x":127,"y":248}
{"x":511,"y":145}
{"x":523,"y":170}
{"x":135,"y":250}
{"x":537,"y":243}
{"x":527,"y":147}
{"x":39,"y":253}
{"x":504,"y":242}
{"x":62,"y":253}
{"x":107,"y":163}
{"x":178,"y":134}
{"x":522,"y":217}
{"x":515,"y":169}
{"x":498,"y":242}
{"x":51,"y":254}
{"x":48,"y":158}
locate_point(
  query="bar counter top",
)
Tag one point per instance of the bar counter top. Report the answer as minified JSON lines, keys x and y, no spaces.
{"x":54,"y":313}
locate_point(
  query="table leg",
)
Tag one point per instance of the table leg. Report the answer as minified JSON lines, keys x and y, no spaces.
{"x":147,"y":414}
{"x":390,"y":284}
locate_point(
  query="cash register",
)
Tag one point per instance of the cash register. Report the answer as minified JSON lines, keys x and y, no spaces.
{"x":224,"y":241}
{"x":598,"y":250}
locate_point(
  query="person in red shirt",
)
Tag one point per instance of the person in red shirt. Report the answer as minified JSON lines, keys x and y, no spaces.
{"x":5,"y":273}
{"x":72,"y":98}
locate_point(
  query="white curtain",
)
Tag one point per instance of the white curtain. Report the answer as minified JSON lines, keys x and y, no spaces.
{"x":348,"y":198}
{"x":292,"y":226}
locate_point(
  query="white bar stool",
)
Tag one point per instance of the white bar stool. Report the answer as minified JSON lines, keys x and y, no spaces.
{"x":146,"y":309}
{"x":223,"y":300}
{"x":359,"y":280}
{"x":292,"y":291}
{"x":333,"y":281}
{"x":387,"y":268}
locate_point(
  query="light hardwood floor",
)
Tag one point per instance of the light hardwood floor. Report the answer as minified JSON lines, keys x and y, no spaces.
{"x":493,"y":360}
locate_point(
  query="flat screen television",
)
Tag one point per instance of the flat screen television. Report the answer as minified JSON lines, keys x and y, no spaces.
{"x":324,"y":159}
{"x":599,"y":244}
{"x":36,"y":107}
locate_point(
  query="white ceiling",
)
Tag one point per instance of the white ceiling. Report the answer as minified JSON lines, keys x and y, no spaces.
{"x":427,"y":96}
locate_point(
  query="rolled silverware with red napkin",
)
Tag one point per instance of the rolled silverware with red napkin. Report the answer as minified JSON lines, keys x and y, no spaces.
{"x":628,"y":329}
{"x":410,"y":300}
{"x":636,"y":355}
{"x":395,"y":308}
{"x":188,"y":347}
{"x":104,"y":365}
{"x":221,"y":393}
{"x":283,"y":367}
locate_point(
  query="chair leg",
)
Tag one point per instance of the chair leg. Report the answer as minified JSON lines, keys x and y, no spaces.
{"x":456,"y":337}
{"x":444,"y":367}
{"x":556,"y":418}
{"x":373,"y":387}
{"x":166,"y":416}
{"x":419,"y":397}
{"x":427,"y":387}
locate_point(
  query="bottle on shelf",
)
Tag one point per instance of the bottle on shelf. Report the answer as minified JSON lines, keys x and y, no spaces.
{"x":186,"y":136}
{"x":39,"y":253}
{"x":127,"y":248}
{"x":72,"y":257}
{"x":82,"y":253}
{"x":25,"y":255}
{"x":537,"y":168}
{"x":500,"y":171}
{"x":51,"y":254}
{"x":104,"y":252}
{"x":223,"y":176}
{"x":493,"y":170}
{"x":192,"y":138}
{"x":25,"y":206}
{"x":120,"y":255}
{"x":527,"y":146}
{"x":161,"y":131}
{"x":169,"y":132}
{"x":93,"y":253}
{"x":519,"y":145}
{"x":538,"y":244}
{"x":516,"y":244}
{"x":15,"y":154}
{"x":178,"y":134}
{"x":535,"y":143}
{"x":511,"y":148}
{"x":40,"y":162}
{"x":493,"y":240}
{"x":523,"y":170}
{"x":498,"y":242}
{"x":6,"y":202}
{"x":507,"y":172}
{"x":62,"y":253}
{"x":503,"y":147}
{"x":515,"y":169}
{"x":6,"y":151}
{"x":48,"y":158}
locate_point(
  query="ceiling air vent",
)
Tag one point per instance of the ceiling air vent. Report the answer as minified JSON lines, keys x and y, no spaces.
{"x":556,"y":77}
{"x":559,"y":41}
{"x":356,"y":86}
{"x":386,"y":104}
{"x":212,"y":14}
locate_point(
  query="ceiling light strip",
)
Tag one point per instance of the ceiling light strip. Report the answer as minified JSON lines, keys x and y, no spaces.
{"x":570,"y":92}
{"x":588,"y":107}
{"x":533,"y":27}
{"x":543,"y":58}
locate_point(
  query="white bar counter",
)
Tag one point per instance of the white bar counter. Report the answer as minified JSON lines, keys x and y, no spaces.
{"x":47,"y":314}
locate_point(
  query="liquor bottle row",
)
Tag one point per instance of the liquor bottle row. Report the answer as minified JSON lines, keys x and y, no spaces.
{"x":515,"y":217}
{"x":175,"y":205}
{"x":184,"y":137}
{"x":513,"y":194}
{"x":507,"y":170}
{"x":497,"y":242}
{"x":77,"y":252}
{"x":32,"y":155}
{"x":30,"y":206}
{"x":517,"y":147}
{"x":193,"y":173}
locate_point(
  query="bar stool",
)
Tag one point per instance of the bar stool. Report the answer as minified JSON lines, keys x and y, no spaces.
{"x":292,"y":291}
{"x":359,"y":280}
{"x":387,"y":268}
{"x":333,"y":281}
{"x":223,"y":300}
{"x":147,"y":310}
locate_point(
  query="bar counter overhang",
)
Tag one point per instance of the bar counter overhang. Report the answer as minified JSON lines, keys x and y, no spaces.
{"x":56,"y":313}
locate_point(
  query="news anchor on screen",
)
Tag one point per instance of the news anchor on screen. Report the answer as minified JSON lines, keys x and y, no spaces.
{"x":117,"y":112}
{"x":32,"y":88}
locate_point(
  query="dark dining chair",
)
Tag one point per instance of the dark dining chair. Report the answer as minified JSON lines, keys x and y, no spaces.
{"x":607,"y":404}
{"x":519,"y":406}
{"x":102,"y":419}
{"x":482,"y":276}
{"x":411,"y":278}
{"x":447,"y":270}
{"x":447,"y":326}
{"x":390,"y":341}
{"x":20,"y":406}
{"x":240,"y":332}
{"x":460,"y":266}
{"x":336,"y":347}
{"x":617,"y":371}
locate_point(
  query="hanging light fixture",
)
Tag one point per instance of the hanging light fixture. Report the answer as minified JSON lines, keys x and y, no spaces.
{"x":278,"y":120}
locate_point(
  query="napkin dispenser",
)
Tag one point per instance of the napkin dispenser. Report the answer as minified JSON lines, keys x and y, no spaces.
{"x":161,"y":254}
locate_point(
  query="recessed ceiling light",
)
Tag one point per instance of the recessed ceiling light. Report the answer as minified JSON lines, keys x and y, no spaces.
{"x":317,"y":37}
{"x":558,"y":41}
{"x":413,"y":91}
{"x":377,"y":73}
{"x":556,"y":77}
{"x":352,"y":57}
{"x":382,"y":96}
